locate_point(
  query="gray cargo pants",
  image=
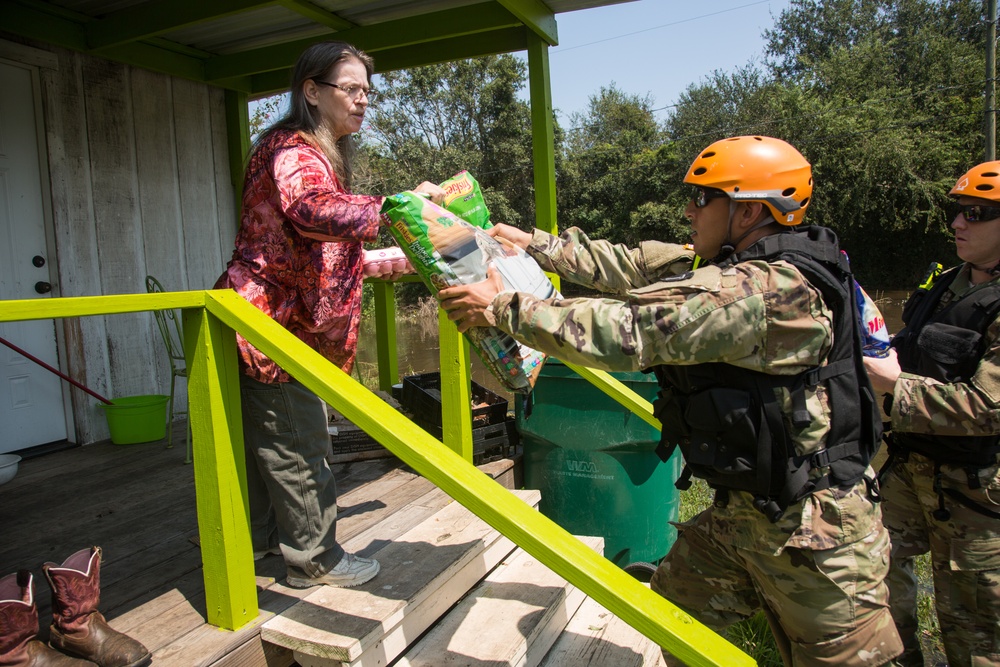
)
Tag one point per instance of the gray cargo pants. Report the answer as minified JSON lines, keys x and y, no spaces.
{"x":293,"y":495}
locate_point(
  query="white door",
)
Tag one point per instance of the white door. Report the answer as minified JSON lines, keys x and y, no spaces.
{"x":31,"y":400}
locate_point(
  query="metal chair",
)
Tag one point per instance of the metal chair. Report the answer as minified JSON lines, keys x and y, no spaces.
{"x":170,"y":329}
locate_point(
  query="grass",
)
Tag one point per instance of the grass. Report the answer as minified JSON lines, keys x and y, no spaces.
{"x":753,"y":635}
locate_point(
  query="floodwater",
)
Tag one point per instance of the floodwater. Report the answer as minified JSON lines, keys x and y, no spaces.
{"x":417,"y":341}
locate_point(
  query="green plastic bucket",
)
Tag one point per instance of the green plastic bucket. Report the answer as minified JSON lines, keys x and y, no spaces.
{"x":134,"y":419}
{"x":596,"y":466}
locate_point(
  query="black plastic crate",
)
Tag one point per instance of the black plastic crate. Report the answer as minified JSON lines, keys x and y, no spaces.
{"x":421,"y":396}
{"x":489,"y":443}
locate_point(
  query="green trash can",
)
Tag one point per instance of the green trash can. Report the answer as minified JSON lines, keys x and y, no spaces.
{"x":596,"y":466}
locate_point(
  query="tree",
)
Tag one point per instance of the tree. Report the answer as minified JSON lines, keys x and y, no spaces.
{"x":618,"y":176}
{"x":884,"y":98}
{"x":434,"y":121}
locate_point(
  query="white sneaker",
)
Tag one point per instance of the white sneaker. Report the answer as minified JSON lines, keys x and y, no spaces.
{"x":350,"y":571}
{"x":273,"y":551}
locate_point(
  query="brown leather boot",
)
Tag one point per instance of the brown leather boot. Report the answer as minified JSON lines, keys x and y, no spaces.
{"x":19,"y":646}
{"x":77,"y":627}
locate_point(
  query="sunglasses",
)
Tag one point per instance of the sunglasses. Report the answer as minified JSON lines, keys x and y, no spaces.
{"x":701,"y":196}
{"x":979,"y":213}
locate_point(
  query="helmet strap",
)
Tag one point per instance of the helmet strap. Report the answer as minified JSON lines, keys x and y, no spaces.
{"x":728,"y":247}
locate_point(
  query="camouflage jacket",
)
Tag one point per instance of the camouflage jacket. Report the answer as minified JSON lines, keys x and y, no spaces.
{"x":755,"y":315}
{"x":924,"y":405}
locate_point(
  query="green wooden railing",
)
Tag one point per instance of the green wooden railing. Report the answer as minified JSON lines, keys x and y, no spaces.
{"x":211,"y":319}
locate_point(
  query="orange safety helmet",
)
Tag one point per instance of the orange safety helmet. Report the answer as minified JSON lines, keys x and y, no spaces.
{"x":981,"y":181}
{"x":755,"y":168}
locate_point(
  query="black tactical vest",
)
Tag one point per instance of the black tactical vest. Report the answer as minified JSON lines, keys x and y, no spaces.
{"x":728,"y":422}
{"x":946,"y":343}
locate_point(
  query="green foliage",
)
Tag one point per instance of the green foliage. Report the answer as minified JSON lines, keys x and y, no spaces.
{"x":434,"y":121}
{"x":265,"y":112}
{"x":884,"y":98}
{"x":619,"y":179}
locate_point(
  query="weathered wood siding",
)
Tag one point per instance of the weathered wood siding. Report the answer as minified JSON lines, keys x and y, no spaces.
{"x":140,"y":185}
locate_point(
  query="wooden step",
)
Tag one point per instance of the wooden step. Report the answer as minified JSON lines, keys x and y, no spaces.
{"x":595,"y":636}
{"x":424,"y":572}
{"x":512,"y":618}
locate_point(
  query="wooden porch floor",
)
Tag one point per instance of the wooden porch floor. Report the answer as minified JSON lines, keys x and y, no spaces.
{"x":137,"y":503}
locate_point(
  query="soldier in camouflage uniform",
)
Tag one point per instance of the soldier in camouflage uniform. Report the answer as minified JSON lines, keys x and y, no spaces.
{"x":942,"y":482}
{"x":755,"y":389}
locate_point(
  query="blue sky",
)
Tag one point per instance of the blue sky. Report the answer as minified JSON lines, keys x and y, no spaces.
{"x":655,"y":47}
{"x":658,"y":47}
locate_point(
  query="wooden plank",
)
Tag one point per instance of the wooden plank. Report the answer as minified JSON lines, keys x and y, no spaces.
{"x":159,"y":189}
{"x":116,"y":195}
{"x":187,"y":612}
{"x":595,"y":636}
{"x":342,"y":624}
{"x":202,"y":255}
{"x":85,"y":352}
{"x":256,"y":653}
{"x":512,"y":618}
{"x":159,"y":208}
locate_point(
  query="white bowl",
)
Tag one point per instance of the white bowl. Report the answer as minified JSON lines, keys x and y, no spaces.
{"x":8,"y":467}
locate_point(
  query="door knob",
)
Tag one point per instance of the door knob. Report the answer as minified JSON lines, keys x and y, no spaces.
{"x":38,"y":261}
{"x":43,"y":287}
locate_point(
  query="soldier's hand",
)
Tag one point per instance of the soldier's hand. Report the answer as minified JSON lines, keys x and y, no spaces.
{"x":511,"y":234}
{"x":883,"y":372}
{"x":466,"y":304}
{"x":433,"y":191}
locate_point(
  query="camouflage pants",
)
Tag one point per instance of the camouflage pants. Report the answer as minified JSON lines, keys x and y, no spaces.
{"x":830,"y":606}
{"x":965,"y":557}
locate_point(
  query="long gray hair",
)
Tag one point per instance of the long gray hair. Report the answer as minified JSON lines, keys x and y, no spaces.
{"x":316,"y":63}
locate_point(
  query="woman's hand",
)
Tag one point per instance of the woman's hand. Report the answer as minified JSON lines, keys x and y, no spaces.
{"x":510,"y":234}
{"x":435,"y":192}
{"x":883,"y":372}
{"x":466,"y":304}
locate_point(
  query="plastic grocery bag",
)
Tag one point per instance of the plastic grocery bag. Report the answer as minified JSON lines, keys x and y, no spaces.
{"x":445,"y":250}
{"x":874,"y":333}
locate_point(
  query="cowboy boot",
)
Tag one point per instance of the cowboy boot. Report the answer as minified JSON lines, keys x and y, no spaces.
{"x":77,"y":627}
{"x":19,"y":646}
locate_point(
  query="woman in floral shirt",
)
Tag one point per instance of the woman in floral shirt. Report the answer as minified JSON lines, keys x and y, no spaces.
{"x":298,"y":258}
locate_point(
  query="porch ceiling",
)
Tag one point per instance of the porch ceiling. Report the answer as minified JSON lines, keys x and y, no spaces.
{"x":250,"y":45}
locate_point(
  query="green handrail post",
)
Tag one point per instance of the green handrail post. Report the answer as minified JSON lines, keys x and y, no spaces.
{"x":385,"y":334}
{"x":456,"y":388}
{"x":542,"y":138}
{"x":219,"y":470}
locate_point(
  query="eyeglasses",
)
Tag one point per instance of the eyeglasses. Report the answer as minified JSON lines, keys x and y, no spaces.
{"x":701,"y":196}
{"x":354,"y":92}
{"x":979,"y":213}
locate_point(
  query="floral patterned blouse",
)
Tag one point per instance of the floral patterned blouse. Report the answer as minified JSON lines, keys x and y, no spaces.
{"x":298,"y":252}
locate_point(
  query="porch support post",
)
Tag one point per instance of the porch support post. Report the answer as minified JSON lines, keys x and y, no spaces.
{"x":219,"y":470}
{"x":456,"y":388}
{"x":542,"y":137}
{"x":238,"y":129}
{"x":385,"y":334}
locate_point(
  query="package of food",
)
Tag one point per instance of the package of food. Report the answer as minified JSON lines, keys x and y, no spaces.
{"x":445,"y":250}
{"x":464,"y":198}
